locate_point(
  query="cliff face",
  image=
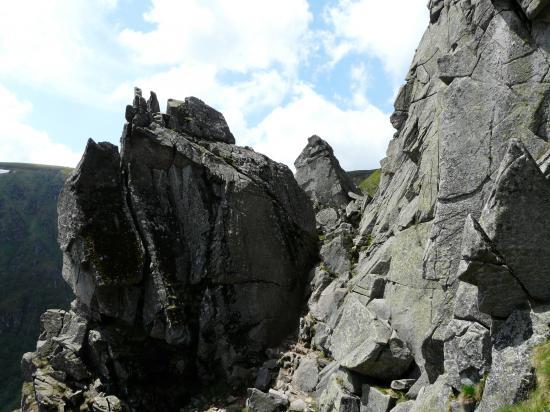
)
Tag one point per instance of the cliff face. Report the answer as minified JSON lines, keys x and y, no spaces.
{"x":479,"y":79}
{"x":188,"y":257}
{"x":454,"y":233}
{"x":30,"y":263}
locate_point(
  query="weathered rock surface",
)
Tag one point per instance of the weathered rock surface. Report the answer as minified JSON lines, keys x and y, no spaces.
{"x":467,"y":352}
{"x":373,"y":400}
{"x":307,"y":375}
{"x":368,"y":345}
{"x":511,"y":376}
{"x":319,"y":173}
{"x":195,"y":118}
{"x":514,"y":222}
{"x":188,"y":257}
{"x":443,"y":165}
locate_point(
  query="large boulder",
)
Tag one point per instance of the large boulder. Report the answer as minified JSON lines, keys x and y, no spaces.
{"x":195,"y":118}
{"x":467,"y":351}
{"x":319,"y":173}
{"x":366,"y":343}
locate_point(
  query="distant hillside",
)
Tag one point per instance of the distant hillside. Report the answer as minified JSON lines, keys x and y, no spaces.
{"x":359,"y":175}
{"x":366,"y":180}
{"x":30,"y":264}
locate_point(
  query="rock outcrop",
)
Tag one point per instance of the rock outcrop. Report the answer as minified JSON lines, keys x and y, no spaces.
{"x":188,"y":257}
{"x":318,"y":172}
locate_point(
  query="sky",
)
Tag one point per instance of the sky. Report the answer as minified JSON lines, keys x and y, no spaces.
{"x":279,"y":70}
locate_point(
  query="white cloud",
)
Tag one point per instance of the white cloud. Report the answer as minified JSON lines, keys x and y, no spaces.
{"x":19,"y":142}
{"x":261,"y":92}
{"x":359,"y":137}
{"x":389,"y":30}
{"x":237,"y":35}
{"x":58,"y":45}
{"x":195,"y":46}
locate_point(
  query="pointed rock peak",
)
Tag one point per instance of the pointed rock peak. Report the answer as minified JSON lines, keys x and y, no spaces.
{"x":315,"y":148}
{"x":139,"y":112}
{"x":98,"y":164}
{"x":319,"y":173}
{"x":191,"y":116}
{"x":197,"y":119}
{"x":153,"y":105}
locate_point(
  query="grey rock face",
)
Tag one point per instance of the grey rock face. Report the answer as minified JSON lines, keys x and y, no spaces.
{"x":478,"y":79}
{"x":336,"y":251}
{"x":265,"y":402}
{"x":373,"y":400}
{"x":402,"y":384}
{"x":436,"y":397}
{"x":319,"y":173}
{"x":153,"y":105}
{"x":197,"y":252}
{"x":199,"y":120}
{"x":368,"y":345}
{"x":93,"y":218}
{"x":467,"y":351}
{"x":403,"y":407}
{"x":498,"y":290}
{"x":505,"y":254}
{"x":337,"y":397}
{"x":349,"y":382}
{"x":515,"y":218}
{"x":306,"y":376}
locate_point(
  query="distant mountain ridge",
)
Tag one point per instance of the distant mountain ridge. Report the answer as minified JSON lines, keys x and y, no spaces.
{"x":30,"y":264}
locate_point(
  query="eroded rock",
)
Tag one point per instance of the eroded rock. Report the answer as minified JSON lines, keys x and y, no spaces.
{"x":319,"y":173}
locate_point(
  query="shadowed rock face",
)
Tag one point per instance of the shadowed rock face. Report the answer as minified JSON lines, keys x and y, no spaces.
{"x":318,"y":172}
{"x":188,"y":257}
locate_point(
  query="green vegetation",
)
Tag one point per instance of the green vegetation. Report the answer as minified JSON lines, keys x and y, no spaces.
{"x":468,"y":391}
{"x":472,"y":394}
{"x":539,"y":399}
{"x":370,"y":184}
{"x":30,"y":265}
{"x":357,"y":176}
